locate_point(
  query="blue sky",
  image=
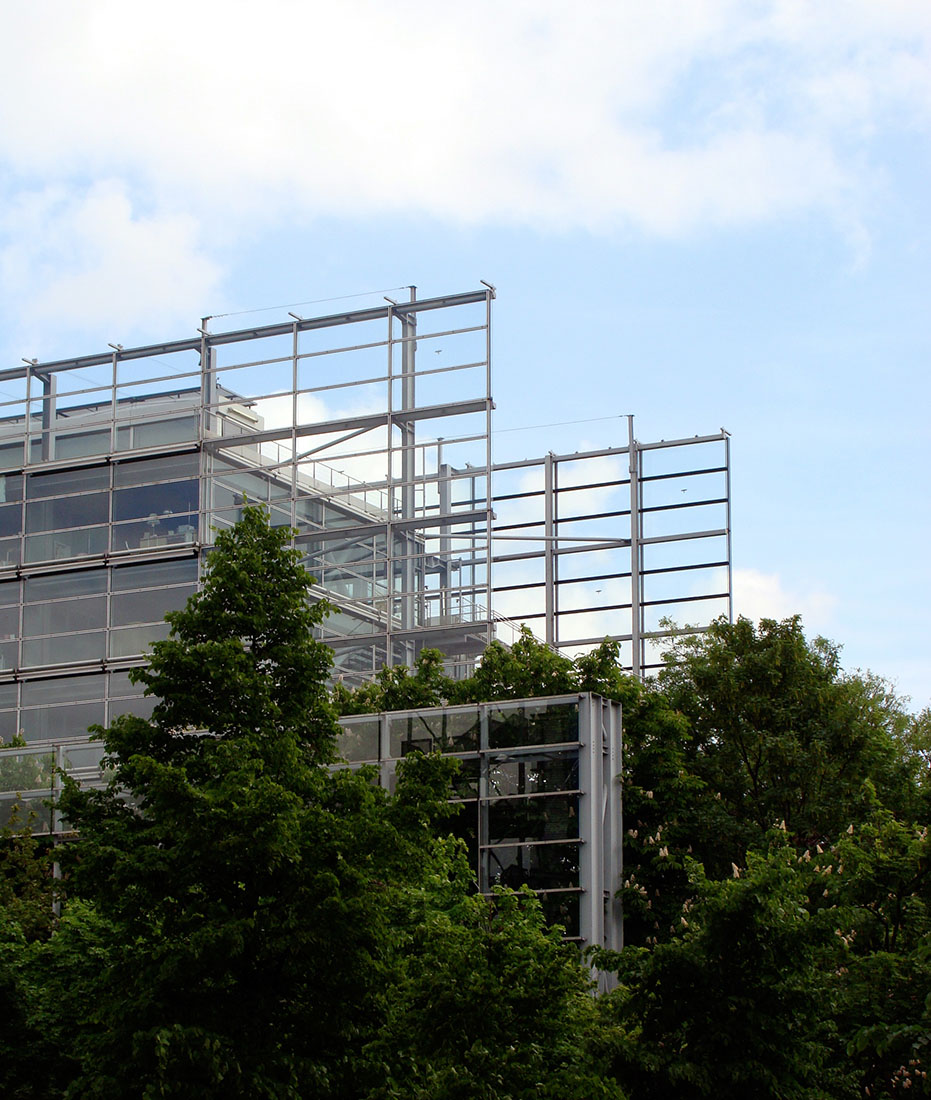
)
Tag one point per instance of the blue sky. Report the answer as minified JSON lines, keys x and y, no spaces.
{"x":709,"y":214}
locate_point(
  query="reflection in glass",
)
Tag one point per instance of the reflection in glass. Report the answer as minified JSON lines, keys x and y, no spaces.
{"x":532,"y":724}
{"x":546,"y":817}
{"x":539,"y":866}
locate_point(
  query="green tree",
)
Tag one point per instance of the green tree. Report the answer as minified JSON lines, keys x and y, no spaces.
{"x":780,"y":735}
{"x":264,"y":922}
{"x":247,"y":887}
{"x":735,"y":1003}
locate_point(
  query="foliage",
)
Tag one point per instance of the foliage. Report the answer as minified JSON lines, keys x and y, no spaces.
{"x":732,"y":1005}
{"x":782,"y":736}
{"x":244,"y":919}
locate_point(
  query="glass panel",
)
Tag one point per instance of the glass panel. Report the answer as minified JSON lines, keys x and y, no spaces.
{"x":9,"y":623}
{"x":64,"y":616}
{"x":148,"y":606}
{"x":562,"y":909}
{"x":532,"y":724}
{"x":82,"y":756}
{"x":159,"y":433}
{"x":533,"y":774}
{"x":66,"y":544}
{"x":539,"y":866}
{"x":35,"y":810}
{"x":9,"y":593}
{"x":155,"y":531}
{"x":29,"y":770}
{"x":131,"y":640}
{"x":80,"y":444}
{"x":9,"y":725}
{"x":11,"y":520}
{"x":9,"y":654}
{"x":551,"y":817}
{"x":67,"y":481}
{"x":146,"y":471}
{"x":11,"y":488}
{"x":64,"y":649}
{"x":171,"y":498}
{"x":66,"y":512}
{"x":465,"y":826}
{"x":142,"y":708}
{"x":63,"y":689}
{"x":11,"y":455}
{"x":466,"y":779}
{"x":130,"y":577}
{"x":9,"y":553}
{"x":55,"y":723}
{"x":65,"y":585}
{"x":8,"y":694}
{"x":120,"y":686}
{"x":444,"y":731}
{"x":359,"y":739}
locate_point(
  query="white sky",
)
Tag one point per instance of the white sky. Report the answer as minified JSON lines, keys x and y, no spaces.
{"x":705,"y":213}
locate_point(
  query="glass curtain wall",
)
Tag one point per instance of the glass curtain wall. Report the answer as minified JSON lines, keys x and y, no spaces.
{"x":538,"y":795}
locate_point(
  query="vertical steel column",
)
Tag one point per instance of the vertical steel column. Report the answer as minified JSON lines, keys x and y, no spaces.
{"x":489,"y":496}
{"x":549,"y":546}
{"x":295,"y":348}
{"x":408,"y":464}
{"x":114,"y":405}
{"x":49,"y":413}
{"x":444,"y":493}
{"x":612,"y":750}
{"x":208,"y":384}
{"x":591,"y":855}
{"x":636,"y":585}
{"x":389,"y":488}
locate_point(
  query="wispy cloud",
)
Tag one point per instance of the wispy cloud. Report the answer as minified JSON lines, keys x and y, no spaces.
{"x":667,"y":117}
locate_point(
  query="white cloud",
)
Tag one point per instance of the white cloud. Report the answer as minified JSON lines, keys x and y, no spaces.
{"x":669,"y":117}
{"x":88,"y":256}
{"x":523,"y":111}
{"x":759,"y":595}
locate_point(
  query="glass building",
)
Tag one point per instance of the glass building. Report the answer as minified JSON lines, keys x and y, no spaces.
{"x":537,"y":789}
{"x":369,"y":434}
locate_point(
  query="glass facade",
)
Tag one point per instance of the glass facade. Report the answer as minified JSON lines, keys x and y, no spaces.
{"x":537,"y":788}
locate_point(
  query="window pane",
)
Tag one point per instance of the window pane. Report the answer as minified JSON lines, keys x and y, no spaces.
{"x":539,"y":866}
{"x":9,"y":553}
{"x":66,"y":512}
{"x":533,"y":774}
{"x":148,"y":606}
{"x":142,"y":708}
{"x":64,"y":616}
{"x":130,"y":577}
{"x":67,"y":481}
{"x":11,"y":520}
{"x":64,"y":649}
{"x":533,"y":724}
{"x":53,"y":723}
{"x":121,"y":688}
{"x":553,"y":817}
{"x":67,"y":544}
{"x":65,"y":585}
{"x":170,"y":499}
{"x":359,"y":740}
{"x":455,"y":731}
{"x":562,"y":909}
{"x":130,"y":640}
{"x":11,"y":488}
{"x":149,"y":470}
{"x":63,"y":689}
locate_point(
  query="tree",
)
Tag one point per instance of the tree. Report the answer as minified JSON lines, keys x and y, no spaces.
{"x":779,"y":734}
{"x":263,"y":919}
{"x":248,"y":888}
